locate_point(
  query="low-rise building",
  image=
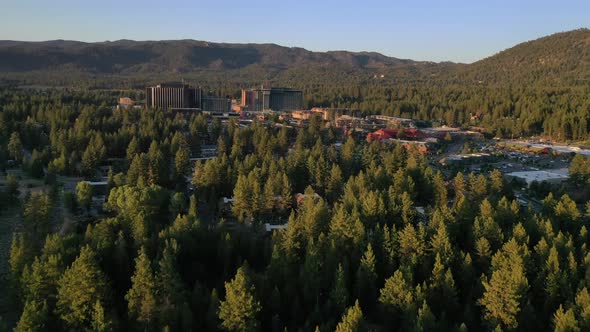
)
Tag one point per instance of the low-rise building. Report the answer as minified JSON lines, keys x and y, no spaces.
{"x":551,"y":176}
{"x":395,"y":121}
{"x":125,"y":103}
{"x":441,"y":132}
{"x":408,"y":134}
{"x":465,"y":159}
{"x":269,"y":227}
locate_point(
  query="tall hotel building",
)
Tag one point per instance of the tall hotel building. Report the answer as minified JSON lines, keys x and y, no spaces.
{"x":215,"y":104}
{"x":173,"y":96}
{"x":275,"y":99}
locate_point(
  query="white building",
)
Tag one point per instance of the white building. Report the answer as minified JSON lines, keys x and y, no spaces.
{"x":552,"y":176}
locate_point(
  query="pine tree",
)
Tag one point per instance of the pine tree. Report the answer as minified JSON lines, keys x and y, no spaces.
{"x":193,"y":207}
{"x":35,"y":317}
{"x":390,"y":248}
{"x":242,"y":207}
{"x":460,"y":187}
{"x":310,"y":275}
{"x":84,"y":194}
{"x":565,"y":321}
{"x":411,"y":245}
{"x":141,"y":298}
{"x":20,"y":256}
{"x":583,"y":308}
{"x":566,"y":210}
{"x":346,"y":231}
{"x":137,"y":169}
{"x":478,"y":185}
{"x":157,"y":170}
{"x":556,"y":284}
{"x":486,"y":226}
{"x":132,"y":150}
{"x":286,"y":193}
{"x":93,"y":155}
{"x":335,"y":184}
{"x":314,"y":214}
{"x":440,"y":191}
{"x":177,"y":204}
{"x":426,"y":321}
{"x":283,"y":139}
{"x":15,"y":146}
{"x":339,"y":292}
{"x":256,"y":199}
{"x":37,"y":216}
{"x":496,"y":181}
{"x":268,"y":197}
{"x":239,"y":309}
{"x":441,"y":244}
{"x":100,"y":322}
{"x":397,"y":294}
{"x":40,"y":281}
{"x":170,"y":290}
{"x":367,"y":277}
{"x":484,"y":252}
{"x":81,"y":286}
{"x":349,"y":164}
{"x":58,"y":165}
{"x":182,"y":163}
{"x":373,"y":208}
{"x":352,"y":320}
{"x":442,"y":292}
{"x":408,"y":210}
{"x":505,"y":291}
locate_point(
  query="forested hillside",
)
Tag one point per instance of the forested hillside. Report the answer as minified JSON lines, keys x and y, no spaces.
{"x":183,"y":57}
{"x":562,"y":59}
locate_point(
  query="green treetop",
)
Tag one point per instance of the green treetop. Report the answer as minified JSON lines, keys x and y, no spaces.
{"x":239,"y":309}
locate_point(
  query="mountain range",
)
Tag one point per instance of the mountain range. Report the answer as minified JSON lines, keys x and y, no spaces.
{"x":558,"y":59}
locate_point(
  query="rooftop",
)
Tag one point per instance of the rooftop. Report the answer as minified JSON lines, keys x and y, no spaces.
{"x":540,"y":176}
{"x":172,"y":85}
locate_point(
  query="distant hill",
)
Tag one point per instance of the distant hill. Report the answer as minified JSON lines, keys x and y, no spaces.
{"x":559,"y":59}
{"x":562,"y":58}
{"x":180,"y":56}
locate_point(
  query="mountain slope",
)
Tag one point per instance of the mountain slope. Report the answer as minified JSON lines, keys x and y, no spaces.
{"x":562,"y":58}
{"x":182,"y":56}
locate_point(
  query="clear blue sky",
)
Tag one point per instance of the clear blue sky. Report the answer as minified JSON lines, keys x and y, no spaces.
{"x":436,"y":30}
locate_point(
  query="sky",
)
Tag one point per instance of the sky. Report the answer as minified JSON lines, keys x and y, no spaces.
{"x":428,"y":30}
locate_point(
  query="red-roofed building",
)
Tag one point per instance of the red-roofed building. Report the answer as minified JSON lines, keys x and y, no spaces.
{"x":381,"y":134}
